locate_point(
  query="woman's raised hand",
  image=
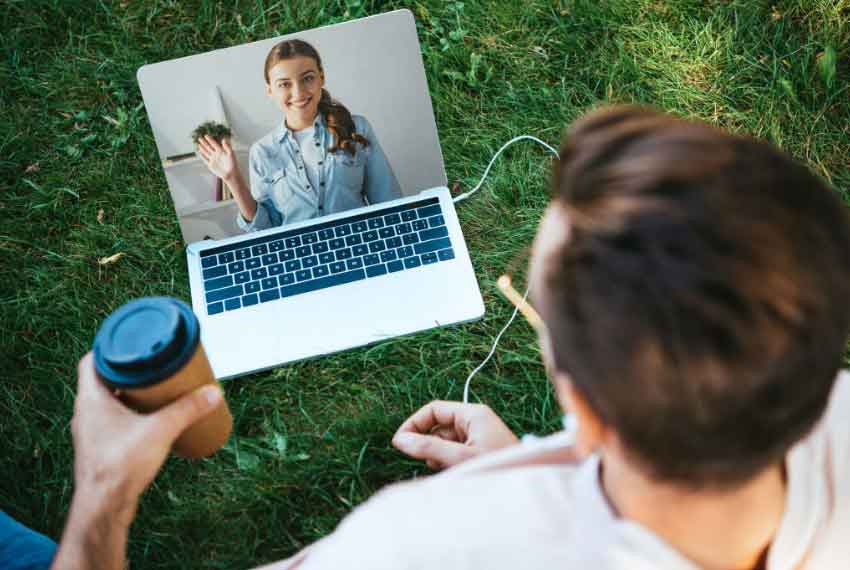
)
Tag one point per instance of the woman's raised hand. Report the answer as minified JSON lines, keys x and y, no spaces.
{"x":447,"y":433}
{"x":219,"y":158}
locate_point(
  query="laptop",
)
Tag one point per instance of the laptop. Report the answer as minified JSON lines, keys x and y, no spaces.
{"x":334,"y":282}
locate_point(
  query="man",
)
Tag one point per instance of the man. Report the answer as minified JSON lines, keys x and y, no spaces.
{"x":692,"y":287}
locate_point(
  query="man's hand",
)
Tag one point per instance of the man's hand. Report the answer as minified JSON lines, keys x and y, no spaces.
{"x":117,"y":454}
{"x":118,"y":451}
{"x":447,"y":433}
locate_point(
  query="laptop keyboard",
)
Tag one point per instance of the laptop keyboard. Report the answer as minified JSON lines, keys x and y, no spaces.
{"x":292,"y":262}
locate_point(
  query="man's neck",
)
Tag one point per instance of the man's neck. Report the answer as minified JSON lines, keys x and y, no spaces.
{"x":718,"y":530}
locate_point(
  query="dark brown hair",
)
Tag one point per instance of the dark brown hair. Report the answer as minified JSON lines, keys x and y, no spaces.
{"x":700,"y":304}
{"x":337,"y":118}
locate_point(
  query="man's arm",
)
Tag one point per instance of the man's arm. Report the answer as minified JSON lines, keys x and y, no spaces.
{"x":117,"y":454}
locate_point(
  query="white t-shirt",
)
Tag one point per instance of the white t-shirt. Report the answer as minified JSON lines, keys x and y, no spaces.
{"x":521,"y":509}
{"x":311,"y":155}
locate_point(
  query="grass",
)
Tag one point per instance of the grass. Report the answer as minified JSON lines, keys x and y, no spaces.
{"x":80,"y":180}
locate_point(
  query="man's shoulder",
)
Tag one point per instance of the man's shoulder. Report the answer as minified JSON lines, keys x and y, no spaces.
{"x":439,"y":520}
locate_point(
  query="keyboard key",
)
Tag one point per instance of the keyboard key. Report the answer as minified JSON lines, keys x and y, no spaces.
{"x":226,"y":257}
{"x":446,"y":254}
{"x":337,"y":243}
{"x":386,"y":232}
{"x":324,"y":282}
{"x":404,"y":228}
{"x":236,"y":267}
{"x":303,"y":250}
{"x":410,"y":238}
{"x":337,"y":266}
{"x":310,"y":261}
{"x":321,"y":247}
{"x":309,"y":238}
{"x":376,"y":246}
{"x":394,"y":242}
{"x":276,"y":245}
{"x":269,"y":283}
{"x":429,"y":211}
{"x":259,"y":273}
{"x":243,"y":253}
{"x":218,"y":283}
{"x":222,"y":294}
{"x":243,"y":277}
{"x":420,"y":224}
{"x":408,"y":215}
{"x":353,"y":240}
{"x":342,"y":231}
{"x":394,"y":266}
{"x":436,"y":221}
{"x":276,"y":269}
{"x":326,"y":234}
{"x":405,"y":251}
{"x":321,"y":270}
{"x":326,"y":257}
{"x":286,"y":255}
{"x":375,"y":223}
{"x":428,"y":258}
{"x":215,"y":308}
{"x":376,"y":270}
{"x":388,"y":255}
{"x":392,"y":219}
{"x":355,"y":263}
{"x":371,"y":235}
{"x":207,"y":262}
{"x":358,"y":227}
{"x":269,"y":258}
{"x":303,"y":275}
{"x":293,"y":265}
{"x":232,"y":304}
{"x":433,"y":245}
{"x":343,"y":253}
{"x":442,"y":231}
{"x":371,"y":259}
{"x":361,"y":249}
{"x":252,"y":263}
{"x":252,"y":287}
{"x":269,"y":295}
{"x":291,"y":242}
{"x":286,"y":279}
{"x":213,"y":272}
{"x":249,"y":300}
{"x":260,"y":249}
{"x":411,"y":262}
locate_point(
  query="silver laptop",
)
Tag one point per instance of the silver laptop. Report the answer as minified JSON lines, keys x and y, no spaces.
{"x":334,"y":282}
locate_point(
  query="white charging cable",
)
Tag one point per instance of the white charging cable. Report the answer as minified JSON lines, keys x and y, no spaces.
{"x":464,"y":196}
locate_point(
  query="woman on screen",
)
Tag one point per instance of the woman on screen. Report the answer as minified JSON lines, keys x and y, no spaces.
{"x":320,"y":160}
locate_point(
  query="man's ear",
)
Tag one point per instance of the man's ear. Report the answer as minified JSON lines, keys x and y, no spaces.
{"x":269,"y":89}
{"x":592,"y":431}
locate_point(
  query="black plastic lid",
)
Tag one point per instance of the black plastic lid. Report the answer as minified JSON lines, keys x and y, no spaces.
{"x":145,"y":341}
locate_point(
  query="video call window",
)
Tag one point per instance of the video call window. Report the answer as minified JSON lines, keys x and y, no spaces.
{"x":288,"y":129}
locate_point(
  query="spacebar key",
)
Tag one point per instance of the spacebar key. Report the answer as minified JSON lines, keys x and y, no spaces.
{"x":322,"y":283}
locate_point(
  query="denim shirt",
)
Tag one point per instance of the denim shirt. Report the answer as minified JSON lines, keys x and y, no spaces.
{"x":283,"y":192}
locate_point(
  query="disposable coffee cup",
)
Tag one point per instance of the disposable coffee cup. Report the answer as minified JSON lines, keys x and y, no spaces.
{"x":150,"y":352}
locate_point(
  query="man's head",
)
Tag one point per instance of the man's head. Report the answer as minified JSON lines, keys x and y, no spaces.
{"x":694,"y":285}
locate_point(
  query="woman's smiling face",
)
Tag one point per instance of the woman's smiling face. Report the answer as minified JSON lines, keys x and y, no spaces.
{"x":295,"y":84}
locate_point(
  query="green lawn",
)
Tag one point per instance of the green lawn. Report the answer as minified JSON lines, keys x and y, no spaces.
{"x":311,"y":440}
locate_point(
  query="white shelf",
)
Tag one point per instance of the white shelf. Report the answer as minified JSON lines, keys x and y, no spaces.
{"x":203,"y":207}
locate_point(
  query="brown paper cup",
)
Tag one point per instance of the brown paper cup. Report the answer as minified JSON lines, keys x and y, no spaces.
{"x":203,"y":438}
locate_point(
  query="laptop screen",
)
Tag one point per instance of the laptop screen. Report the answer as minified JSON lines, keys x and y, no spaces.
{"x":294,"y":127}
